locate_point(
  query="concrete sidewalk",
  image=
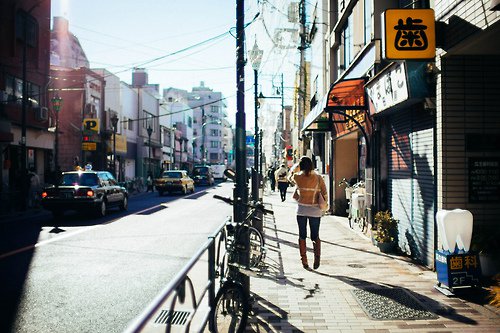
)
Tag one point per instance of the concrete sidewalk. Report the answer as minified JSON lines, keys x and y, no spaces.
{"x":354,"y":288}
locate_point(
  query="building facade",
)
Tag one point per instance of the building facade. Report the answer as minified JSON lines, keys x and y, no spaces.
{"x":422,"y":133}
{"x":25,"y":110}
{"x":208,"y":124}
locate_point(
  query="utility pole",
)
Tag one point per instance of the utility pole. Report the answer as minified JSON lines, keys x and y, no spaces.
{"x":240,"y":190}
{"x":302,"y":70}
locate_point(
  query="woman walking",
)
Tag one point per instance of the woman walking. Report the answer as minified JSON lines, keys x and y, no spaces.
{"x":281,"y":176}
{"x":308,"y":185}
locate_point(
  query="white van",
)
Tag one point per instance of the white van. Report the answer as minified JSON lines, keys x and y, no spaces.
{"x":218,"y":171}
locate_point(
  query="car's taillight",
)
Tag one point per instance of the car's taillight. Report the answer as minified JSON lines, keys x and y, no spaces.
{"x":44,"y":194}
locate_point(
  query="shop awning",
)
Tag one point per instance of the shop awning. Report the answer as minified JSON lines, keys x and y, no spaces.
{"x":343,"y":95}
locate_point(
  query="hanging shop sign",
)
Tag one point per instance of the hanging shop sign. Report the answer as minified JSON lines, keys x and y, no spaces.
{"x":91,"y":124}
{"x":120,"y":144}
{"x":89,"y":146}
{"x":389,"y":89}
{"x":409,"y":34}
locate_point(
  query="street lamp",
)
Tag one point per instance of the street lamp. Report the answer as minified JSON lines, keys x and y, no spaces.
{"x":114,"y":122}
{"x":279,"y":128}
{"x":150,"y":131}
{"x":256,"y":58}
{"x":56,"y":106}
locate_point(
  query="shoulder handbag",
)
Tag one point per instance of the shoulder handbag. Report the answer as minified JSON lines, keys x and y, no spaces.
{"x":322,"y":204}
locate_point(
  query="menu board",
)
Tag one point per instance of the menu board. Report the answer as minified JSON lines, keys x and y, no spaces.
{"x":484,"y":179}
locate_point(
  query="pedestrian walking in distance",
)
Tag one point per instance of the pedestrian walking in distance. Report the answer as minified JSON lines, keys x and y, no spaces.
{"x":270,"y":175}
{"x":149,"y":182}
{"x":281,"y":176}
{"x":308,"y":185}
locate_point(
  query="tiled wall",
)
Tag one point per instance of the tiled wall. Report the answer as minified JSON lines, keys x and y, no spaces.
{"x":468,"y":99}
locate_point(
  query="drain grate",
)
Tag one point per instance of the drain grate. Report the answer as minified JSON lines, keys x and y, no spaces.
{"x":391,"y":304}
{"x":172,"y":317}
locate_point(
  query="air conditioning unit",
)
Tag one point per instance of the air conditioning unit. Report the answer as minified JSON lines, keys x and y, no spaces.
{"x":42,"y":113}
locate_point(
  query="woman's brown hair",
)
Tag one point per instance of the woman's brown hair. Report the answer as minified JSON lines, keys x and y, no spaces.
{"x":306,"y":165}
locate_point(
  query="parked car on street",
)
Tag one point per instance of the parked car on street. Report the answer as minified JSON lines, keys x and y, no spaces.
{"x":174,"y":180}
{"x":85,"y":191}
{"x":203,"y":175}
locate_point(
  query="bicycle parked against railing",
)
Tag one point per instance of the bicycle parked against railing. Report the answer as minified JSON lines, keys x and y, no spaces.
{"x":356,"y":211}
{"x":244,"y":250}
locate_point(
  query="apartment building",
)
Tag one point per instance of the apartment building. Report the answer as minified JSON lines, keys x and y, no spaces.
{"x":208,"y":124}
{"x":25,"y":108}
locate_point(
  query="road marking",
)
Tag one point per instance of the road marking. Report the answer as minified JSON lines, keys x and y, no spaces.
{"x":48,"y":241}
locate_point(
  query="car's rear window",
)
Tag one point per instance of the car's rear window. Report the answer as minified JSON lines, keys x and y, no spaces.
{"x":200,"y":171}
{"x":172,"y":174}
{"x":81,"y":179}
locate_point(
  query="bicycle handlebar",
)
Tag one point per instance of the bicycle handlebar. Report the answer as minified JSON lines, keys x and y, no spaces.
{"x":258,"y":206}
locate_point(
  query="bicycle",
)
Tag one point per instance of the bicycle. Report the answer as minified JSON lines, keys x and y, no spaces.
{"x":244,"y":249}
{"x":356,"y":211}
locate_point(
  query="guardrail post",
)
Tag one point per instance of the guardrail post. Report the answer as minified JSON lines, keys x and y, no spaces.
{"x":211,"y":278}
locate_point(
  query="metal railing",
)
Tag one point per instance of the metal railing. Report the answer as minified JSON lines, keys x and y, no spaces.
{"x":177,"y":290}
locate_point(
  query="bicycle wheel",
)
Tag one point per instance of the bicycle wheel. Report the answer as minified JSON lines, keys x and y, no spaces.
{"x":230,"y":312}
{"x":256,"y":247}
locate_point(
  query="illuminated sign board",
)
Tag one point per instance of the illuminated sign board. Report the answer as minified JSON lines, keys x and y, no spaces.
{"x":409,"y":34}
{"x":89,"y":146}
{"x":91,"y":124}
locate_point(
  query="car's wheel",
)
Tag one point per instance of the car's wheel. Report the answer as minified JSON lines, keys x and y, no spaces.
{"x":124,"y":204}
{"x":192,"y":189}
{"x":101,"y":209}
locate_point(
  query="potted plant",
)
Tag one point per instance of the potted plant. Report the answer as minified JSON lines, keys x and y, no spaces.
{"x":386,"y":227}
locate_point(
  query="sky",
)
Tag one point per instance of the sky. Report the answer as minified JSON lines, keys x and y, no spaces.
{"x":180,"y":43}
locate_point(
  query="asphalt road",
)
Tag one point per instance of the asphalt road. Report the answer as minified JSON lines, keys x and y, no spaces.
{"x":96,"y":275}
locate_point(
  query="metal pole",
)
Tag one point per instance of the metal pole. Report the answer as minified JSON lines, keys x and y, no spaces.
{"x":203,"y":123}
{"x":240,"y":184}
{"x":150,"y":131}
{"x":114,"y":152}
{"x":56,"y":156}
{"x":282,"y":114}
{"x":24,"y":172}
{"x":255,"y":180}
{"x":261,"y":160}
{"x":302,"y":75}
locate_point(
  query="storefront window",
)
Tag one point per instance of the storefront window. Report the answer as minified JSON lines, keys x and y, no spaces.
{"x":348,"y":42}
{"x":368,"y":16}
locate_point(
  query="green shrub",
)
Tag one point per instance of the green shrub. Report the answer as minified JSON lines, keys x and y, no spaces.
{"x":386,"y":226}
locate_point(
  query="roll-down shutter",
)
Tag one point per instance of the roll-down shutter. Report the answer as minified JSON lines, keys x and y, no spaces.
{"x":411,"y":181}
